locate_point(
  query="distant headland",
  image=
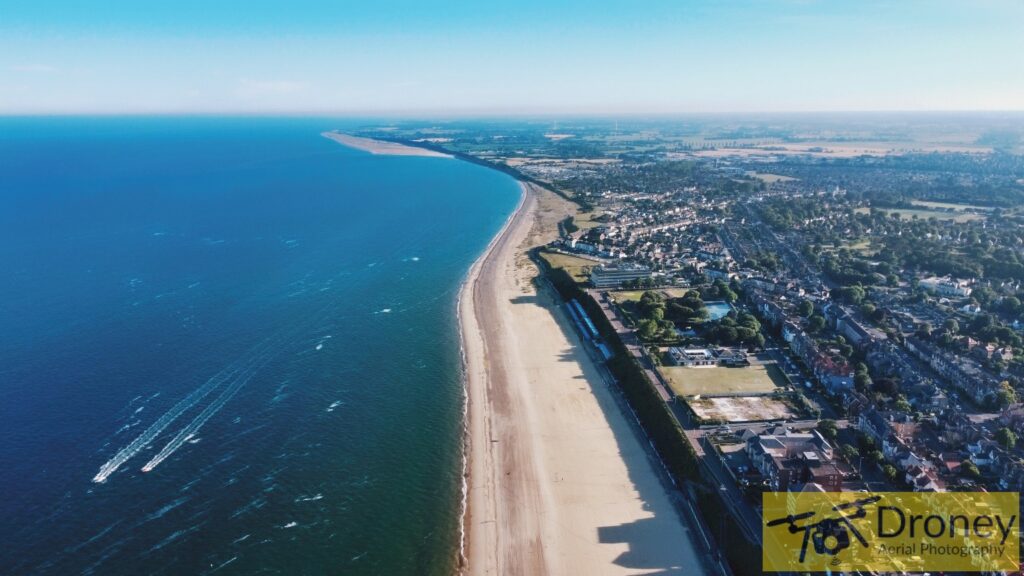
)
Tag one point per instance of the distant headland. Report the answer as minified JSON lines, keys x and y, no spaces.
{"x":381,"y":146}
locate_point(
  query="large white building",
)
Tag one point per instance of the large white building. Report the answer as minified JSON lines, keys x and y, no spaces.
{"x":946,"y":286}
{"x":614,"y":276}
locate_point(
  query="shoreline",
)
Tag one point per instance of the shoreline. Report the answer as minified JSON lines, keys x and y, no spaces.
{"x":556,"y":478}
{"x":471,"y":277}
{"x":381,"y":147}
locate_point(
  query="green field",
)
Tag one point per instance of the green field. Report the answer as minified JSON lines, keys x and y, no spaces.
{"x":862,"y":246}
{"x":909,"y":213}
{"x":950,"y":206}
{"x":635,"y":295}
{"x":578,"y":268}
{"x":755,"y":379}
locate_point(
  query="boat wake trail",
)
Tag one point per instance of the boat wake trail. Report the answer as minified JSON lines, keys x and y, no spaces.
{"x":235,"y":376}
{"x":154,"y":430}
{"x":195,"y":397}
{"x":189,"y":431}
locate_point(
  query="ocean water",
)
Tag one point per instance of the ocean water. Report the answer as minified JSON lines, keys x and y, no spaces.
{"x":246,"y":331}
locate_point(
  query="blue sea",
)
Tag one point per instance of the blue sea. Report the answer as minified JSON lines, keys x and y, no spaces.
{"x":229,"y":346}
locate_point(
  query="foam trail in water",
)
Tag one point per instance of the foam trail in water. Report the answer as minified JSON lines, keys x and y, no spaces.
{"x":186,"y":433}
{"x":143,"y":440}
{"x":154,"y":430}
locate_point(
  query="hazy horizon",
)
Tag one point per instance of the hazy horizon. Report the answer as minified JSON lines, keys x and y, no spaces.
{"x":454,"y":58}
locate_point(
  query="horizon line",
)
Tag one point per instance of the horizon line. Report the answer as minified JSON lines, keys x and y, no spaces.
{"x":491,"y":114}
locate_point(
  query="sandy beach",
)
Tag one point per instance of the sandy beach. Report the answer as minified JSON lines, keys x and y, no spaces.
{"x":558,"y":480}
{"x":380,"y":146}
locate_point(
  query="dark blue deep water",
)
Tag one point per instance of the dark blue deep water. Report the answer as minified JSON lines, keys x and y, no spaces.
{"x":263,"y":318}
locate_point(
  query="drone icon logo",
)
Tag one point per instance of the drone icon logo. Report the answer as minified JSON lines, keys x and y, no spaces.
{"x":830,"y":535}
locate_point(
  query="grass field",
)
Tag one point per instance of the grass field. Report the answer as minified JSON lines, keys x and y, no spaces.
{"x":770,"y":178}
{"x":950,"y":206}
{"x":578,"y":267}
{"x":586,"y":220}
{"x":635,"y":295}
{"x":755,"y":379}
{"x":909,"y":213}
{"x":862,"y":246}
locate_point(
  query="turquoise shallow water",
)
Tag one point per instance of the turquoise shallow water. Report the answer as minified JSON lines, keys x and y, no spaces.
{"x":314,"y":284}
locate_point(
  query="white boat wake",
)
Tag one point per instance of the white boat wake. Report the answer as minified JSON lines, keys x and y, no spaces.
{"x":144,"y":439}
{"x":236,"y":375}
{"x":186,"y":433}
{"x":154,"y":430}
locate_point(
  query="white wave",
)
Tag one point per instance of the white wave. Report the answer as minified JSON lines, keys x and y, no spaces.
{"x":256,"y":504}
{"x":289,"y":525}
{"x":167,"y":508}
{"x":233,"y":558}
{"x":174,"y":536}
{"x":334,"y":405}
{"x":313,"y":498}
{"x":94,"y":538}
{"x":241,"y":539}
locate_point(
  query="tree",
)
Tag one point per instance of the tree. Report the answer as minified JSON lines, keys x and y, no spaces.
{"x":852,"y":294}
{"x":902,"y":405}
{"x":816,"y":323}
{"x":828,"y":429}
{"x":1006,"y":395}
{"x":849,"y":452}
{"x":728,"y":295}
{"x":969,"y":469}
{"x":1006,"y":438}
{"x":805,"y":308}
{"x":759,"y":340}
{"x":924,"y":330}
{"x":648,"y":329}
{"x":862,"y":381}
{"x":1011,"y":305}
{"x":657,"y":314}
{"x":886,"y":386}
{"x":951,"y":326}
{"x":744,"y":334}
{"x":891,"y":473}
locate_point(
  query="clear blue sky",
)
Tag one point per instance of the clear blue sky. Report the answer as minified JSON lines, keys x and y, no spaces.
{"x":526,"y":56}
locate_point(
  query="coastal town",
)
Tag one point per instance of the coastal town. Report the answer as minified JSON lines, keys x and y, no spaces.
{"x":812,"y":314}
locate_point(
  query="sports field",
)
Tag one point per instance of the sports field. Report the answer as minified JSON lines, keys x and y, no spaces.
{"x":722,"y":381}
